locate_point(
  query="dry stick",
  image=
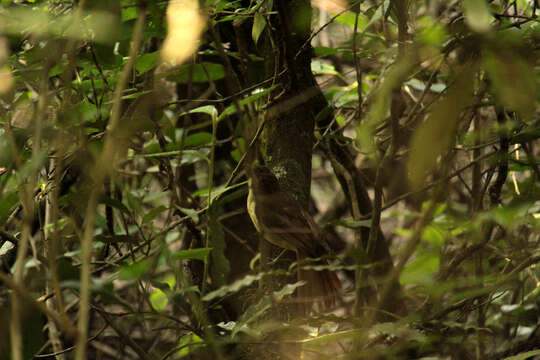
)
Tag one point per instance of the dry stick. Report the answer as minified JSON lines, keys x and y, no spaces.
{"x":102,"y":169}
{"x":53,"y":285}
{"x":26,"y":200}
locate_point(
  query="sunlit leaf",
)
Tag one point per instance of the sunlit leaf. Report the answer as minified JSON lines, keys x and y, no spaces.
{"x":434,"y":136}
{"x":259,"y":23}
{"x":477,"y":15}
{"x":184,"y":26}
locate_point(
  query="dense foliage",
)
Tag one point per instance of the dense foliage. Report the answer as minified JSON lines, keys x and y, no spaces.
{"x":408,"y":129}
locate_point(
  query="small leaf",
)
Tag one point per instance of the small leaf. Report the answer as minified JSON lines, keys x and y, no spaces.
{"x":194,"y":254}
{"x":524,"y":355}
{"x":232,"y":288}
{"x":192,"y":213}
{"x":146,"y":62}
{"x":259,"y":23}
{"x":207,"y":109}
{"x":198,"y":139}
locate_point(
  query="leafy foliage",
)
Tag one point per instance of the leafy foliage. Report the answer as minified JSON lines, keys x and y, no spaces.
{"x":126,"y":127}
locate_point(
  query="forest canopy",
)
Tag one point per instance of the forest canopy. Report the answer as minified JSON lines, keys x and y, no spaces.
{"x":269,"y":179}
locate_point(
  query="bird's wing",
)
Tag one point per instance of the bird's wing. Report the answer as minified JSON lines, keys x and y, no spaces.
{"x":286,"y":224}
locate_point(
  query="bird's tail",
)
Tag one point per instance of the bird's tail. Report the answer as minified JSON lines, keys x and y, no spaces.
{"x":321,"y":288}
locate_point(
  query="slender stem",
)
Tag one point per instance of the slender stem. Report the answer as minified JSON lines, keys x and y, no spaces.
{"x":102,"y":169}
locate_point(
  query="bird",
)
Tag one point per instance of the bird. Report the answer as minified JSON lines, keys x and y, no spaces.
{"x":282,"y":221}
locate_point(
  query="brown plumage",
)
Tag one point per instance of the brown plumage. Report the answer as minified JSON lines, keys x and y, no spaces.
{"x":282,"y":221}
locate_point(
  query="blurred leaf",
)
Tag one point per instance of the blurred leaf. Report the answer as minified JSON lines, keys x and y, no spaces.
{"x":324,"y":51}
{"x":421,"y":270}
{"x":129,"y":13}
{"x":195,"y":254}
{"x":381,"y":103}
{"x":158,"y":299}
{"x":477,"y":15}
{"x":188,"y":344}
{"x":512,"y":80}
{"x":146,"y":62}
{"x":233,"y":288}
{"x":524,"y":355}
{"x":434,"y":235}
{"x":255,"y":311}
{"x":184,"y":26}
{"x":431,"y":32}
{"x":152,"y":214}
{"x":192,"y":213}
{"x":433,"y":137}
{"x":201,"y":73}
{"x":31,"y":166}
{"x":134,"y":271}
{"x":198,"y":139}
{"x":351,"y":224}
{"x":207,"y":109}
{"x":256,"y":95}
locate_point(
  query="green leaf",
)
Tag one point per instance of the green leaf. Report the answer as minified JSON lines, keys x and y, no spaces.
{"x":146,"y":62}
{"x":233,"y":288}
{"x":134,"y":271}
{"x":434,"y":235}
{"x":259,"y":22}
{"x":324,"y":51}
{"x":193,"y":254}
{"x":512,"y":80}
{"x":198,"y":139}
{"x":129,"y":13}
{"x":192,"y":213}
{"x":199,"y":75}
{"x":207,"y":109}
{"x":257,"y":310}
{"x":189,"y":344}
{"x":158,"y":299}
{"x":421,"y":270}
{"x":524,"y":356}
{"x":256,"y":95}
{"x":351,"y":224}
{"x":432,"y":139}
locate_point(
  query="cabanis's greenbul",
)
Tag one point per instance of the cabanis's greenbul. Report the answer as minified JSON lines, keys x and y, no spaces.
{"x":282,"y":221}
